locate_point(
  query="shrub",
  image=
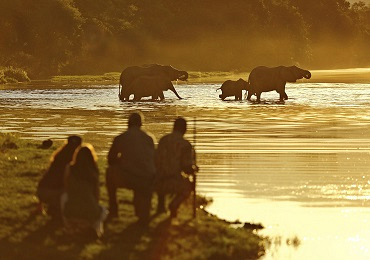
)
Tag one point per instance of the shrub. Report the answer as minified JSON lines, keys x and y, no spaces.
{"x":13,"y":75}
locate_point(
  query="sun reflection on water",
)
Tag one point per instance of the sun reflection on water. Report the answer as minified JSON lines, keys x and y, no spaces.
{"x":299,"y":168}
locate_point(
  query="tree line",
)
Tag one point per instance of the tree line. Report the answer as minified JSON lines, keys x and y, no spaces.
{"x":53,"y":37}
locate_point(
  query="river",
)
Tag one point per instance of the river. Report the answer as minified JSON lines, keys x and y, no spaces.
{"x":301,"y":168}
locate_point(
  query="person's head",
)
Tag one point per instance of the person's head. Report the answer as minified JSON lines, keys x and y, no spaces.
{"x":84,"y":159}
{"x":85,"y":153}
{"x":65,"y":152}
{"x":74,"y":141}
{"x":180,"y":125}
{"x":135,"y":119}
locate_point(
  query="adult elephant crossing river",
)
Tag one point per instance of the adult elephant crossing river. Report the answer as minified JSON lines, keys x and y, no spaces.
{"x":264,"y":79}
{"x":130,"y":74}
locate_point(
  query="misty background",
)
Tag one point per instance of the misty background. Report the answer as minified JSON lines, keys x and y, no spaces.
{"x":69,"y":37}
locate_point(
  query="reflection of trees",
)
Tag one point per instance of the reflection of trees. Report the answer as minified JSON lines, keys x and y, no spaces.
{"x":81,"y":36}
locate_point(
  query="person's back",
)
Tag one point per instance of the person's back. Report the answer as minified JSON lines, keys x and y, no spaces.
{"x":51,"y":185}
{"x":135,"y":150}
{"x":82,"y":187}
{"x":174,"y":156}
{"x":54,"y":175}
{"x":81,"y":200}
{"x":131,"y":165}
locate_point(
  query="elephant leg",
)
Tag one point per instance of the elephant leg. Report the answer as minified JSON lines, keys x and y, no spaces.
{"x":249,"y":95}
{"x":283,"y":96}
{"x":121,"y":96}
{"x":137,"y":98}
{"x":161,"y":95}
{"x":238,"y":96}
{"x":258,"y":95}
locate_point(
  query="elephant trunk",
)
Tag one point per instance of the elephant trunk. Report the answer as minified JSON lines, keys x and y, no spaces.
{"x":307,"y":74}
{"x":174,"y":91}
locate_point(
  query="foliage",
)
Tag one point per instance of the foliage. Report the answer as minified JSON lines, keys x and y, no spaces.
{"x":26,"y":233}
{"x":83,"y":37}
{"x":13,"y":75}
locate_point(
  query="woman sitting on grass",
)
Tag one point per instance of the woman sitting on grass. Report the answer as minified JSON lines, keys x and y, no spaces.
{"x":80,"y":203}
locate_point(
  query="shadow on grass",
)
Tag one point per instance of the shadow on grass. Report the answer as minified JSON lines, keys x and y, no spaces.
{"x":34,"y":240}
{"x":158,"y":243}
{"x":37,"y":236}
{"x":136,"y":241}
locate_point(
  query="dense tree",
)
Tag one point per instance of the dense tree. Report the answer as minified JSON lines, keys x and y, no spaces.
{"x":48,"y":37}
{"x":42,"y":36}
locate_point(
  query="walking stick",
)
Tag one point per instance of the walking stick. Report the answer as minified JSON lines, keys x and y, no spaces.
{"x":194,"y":175}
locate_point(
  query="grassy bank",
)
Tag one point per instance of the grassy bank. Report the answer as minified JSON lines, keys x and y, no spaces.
{"x":106,"y":78}
{"x":357,"y":75}
{"x":25,"y":233}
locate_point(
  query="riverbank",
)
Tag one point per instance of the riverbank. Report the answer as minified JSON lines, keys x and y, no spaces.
{"x":26,"y":233}
{"x":354,"y":75}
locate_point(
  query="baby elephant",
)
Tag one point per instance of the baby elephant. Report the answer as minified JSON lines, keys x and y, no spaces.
{"x":233,"y":88}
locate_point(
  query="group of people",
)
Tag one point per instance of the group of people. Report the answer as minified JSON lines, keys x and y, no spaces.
{"x":70,"y":186}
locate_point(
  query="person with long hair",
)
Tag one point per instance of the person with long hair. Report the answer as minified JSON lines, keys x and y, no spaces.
{"x":81,"y":199}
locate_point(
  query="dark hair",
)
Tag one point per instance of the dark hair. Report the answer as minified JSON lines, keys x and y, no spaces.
{"x":84,"y":164}
{"x":74,"y":140}
{"x":65,"y":153}
{"x":60,"y":159}
{"x":180,"y":125}
{"x":135,"y":119}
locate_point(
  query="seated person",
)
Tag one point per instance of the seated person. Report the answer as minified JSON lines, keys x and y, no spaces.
{"x":50,"y":187}
{"x":80,"y":202}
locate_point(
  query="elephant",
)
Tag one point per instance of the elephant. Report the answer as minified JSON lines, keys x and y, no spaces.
{"x":145,"y":86}
{"x":233,"y":88}
{"x":130,"y":74}
{"x":264,"y":79}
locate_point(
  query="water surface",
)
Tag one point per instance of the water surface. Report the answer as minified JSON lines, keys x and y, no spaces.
{"x":301,"y":168}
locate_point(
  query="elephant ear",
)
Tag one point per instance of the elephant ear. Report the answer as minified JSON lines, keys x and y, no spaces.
{"x":288,"y":74}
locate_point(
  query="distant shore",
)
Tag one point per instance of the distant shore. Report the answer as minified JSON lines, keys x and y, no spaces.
{"x":355,"y":75}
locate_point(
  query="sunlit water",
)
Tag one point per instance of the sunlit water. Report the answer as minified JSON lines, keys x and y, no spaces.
{"x":300,"y":168}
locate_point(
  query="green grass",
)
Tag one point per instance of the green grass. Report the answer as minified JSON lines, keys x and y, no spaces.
{"x":25,"y":233}
{"x":107,"y":78}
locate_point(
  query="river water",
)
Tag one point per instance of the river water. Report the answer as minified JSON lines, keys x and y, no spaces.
{"x":301,"y":168}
